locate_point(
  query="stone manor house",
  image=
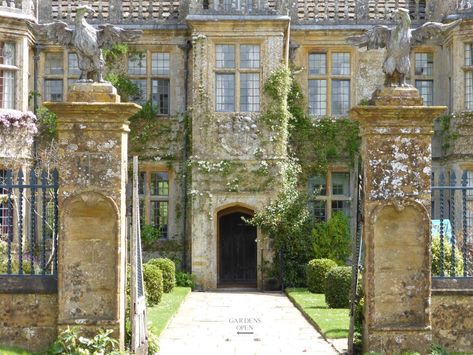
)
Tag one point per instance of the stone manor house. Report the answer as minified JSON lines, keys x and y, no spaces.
{"x":209,"y":60}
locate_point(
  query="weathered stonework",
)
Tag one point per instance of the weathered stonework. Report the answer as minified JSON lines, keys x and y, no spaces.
{"x":28,"y":320}
{"x":15,"y":147}
{"x":92,"y":139}
{"x":396,"y":152}
{"x":237,"y":158}
{"x":452,"y":320}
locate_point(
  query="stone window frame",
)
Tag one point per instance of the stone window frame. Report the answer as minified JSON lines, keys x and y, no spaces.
{"x":417,"y":78}
{"x":468,"y":75}
{"x":329,"y":77}
{"x":146,"y":198}
{"x":15,"y":69}
{"x":327,"y":197}
{"x":237,"y":70}
{"x":67,"y":78}
{"x":149,"y":76}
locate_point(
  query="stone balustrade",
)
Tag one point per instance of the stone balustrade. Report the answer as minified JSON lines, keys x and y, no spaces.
{"x":175,"y":11}
{"x":24,"y":7}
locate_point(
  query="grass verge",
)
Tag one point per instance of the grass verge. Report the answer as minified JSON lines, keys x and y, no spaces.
{"x":160,"y":315}
{"x":7,"y":350}
{"x":333,"y":323}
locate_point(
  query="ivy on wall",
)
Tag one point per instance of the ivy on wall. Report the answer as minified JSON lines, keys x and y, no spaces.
{"x":447,"y":132}
{"x":312,"y":145}
{"x":318,"y":142}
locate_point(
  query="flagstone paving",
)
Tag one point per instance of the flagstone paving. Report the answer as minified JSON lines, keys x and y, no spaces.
{"x":233,"y":323}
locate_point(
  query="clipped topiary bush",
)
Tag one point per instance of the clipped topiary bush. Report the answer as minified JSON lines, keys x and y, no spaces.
{"x":153,"y":278}
{"x":447,"y":258}
{"x":316,"y":271}
{"x":169,"y":272}
{"x":338,"y":286}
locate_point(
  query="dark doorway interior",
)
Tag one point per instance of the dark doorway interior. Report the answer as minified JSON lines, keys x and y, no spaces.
{"x":237,"y":250}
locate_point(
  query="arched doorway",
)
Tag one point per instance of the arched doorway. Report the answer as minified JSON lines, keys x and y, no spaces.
{"x":237,"y":252}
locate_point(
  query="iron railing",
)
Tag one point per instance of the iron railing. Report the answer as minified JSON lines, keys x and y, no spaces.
{"x":452,"y":223}
{"x":28,"y":222}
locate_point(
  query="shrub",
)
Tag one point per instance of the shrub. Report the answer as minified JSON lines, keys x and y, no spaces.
{"x":184,"y":279}
{"x":286,"y":221}
{"x":70,"y":342}
{"x":315,"y":274}
{"x":447,"y":264}
{"x":153,"y":278}
{"x":332,"y":239}
{"x":169,"y":272}
{"x":338,"y":286}
{"x":149,"y":236}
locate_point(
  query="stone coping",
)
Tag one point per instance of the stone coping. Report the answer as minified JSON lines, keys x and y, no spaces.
{"x":26,"y":284}
{"x":452,"y":286}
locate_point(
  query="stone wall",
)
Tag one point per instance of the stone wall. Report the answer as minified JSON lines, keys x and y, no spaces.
{"x":452,"y":318}
{"x":28,"y":320}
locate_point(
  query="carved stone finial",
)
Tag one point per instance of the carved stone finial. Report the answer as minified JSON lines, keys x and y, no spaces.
{"x":87,"y":41}
{"x":399,"y":41}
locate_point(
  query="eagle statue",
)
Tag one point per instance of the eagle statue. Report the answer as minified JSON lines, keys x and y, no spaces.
{"x":399,"y":42}
{"x":87,"y":41}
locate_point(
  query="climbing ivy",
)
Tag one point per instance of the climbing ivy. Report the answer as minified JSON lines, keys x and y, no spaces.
{"x":449,"y":135}
{"x":313,"y":144}
{"x":316,"y":142}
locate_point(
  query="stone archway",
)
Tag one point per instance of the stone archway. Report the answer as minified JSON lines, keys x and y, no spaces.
{"x":236,"y":248}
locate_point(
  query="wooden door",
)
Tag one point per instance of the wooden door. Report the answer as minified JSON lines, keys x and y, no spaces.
{"x":237,"y":264}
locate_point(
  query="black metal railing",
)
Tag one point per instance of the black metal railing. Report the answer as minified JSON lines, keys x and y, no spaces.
{"x":28,"y":222}
{"x":452,"y":224}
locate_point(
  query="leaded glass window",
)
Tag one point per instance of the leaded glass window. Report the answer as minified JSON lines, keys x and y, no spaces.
{"x":8,"y":71}
{"x":225,"y":56}
{"x":249,"y":56}
{"x":225,"y":92}
{"x":249,"y":92}
{"x":53,"y":90}
{"x":73,"y":64}
{"x":330,"y":193}
{"x":160,"y":63}
{"x":426,"y":90}
{"x":160,"y":91}
{"x":329,"y":83}
{"x":137,"y":64}
{"x":154,"y":200}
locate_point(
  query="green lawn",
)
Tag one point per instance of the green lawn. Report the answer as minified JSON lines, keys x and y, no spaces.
{"x":160,"y":315}
{"x":6,"y":350}
{"x":333,"y":323}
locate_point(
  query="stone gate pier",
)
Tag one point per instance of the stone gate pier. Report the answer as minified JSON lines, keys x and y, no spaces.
{"x":93,"y":138}
{"x":396,"y":135}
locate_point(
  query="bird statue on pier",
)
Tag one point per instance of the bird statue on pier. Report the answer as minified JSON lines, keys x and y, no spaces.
{"x":87,"y":41}
{"x":399,"y":41}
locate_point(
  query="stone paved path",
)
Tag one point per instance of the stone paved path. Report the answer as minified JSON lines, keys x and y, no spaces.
{"x":234,"y":323}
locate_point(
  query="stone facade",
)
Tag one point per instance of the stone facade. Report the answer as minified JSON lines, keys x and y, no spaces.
{"x":228,"y":148}
{"x":185,"y":139}
{"x":223,"y":161}
{"x":28,"y":320}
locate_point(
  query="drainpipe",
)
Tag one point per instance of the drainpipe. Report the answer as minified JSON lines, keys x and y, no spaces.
{"x":187,"y":47}
{"x":288,"y":43}
{"x":36,"y":51}
{"x":35,"y":76}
